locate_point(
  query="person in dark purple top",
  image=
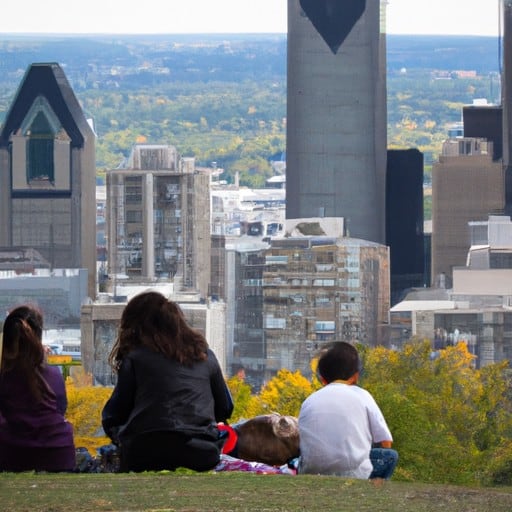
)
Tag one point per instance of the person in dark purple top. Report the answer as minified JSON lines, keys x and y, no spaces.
{"x":34,"y":435}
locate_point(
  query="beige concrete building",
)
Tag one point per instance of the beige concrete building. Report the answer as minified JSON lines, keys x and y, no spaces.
{"x":158,"y":219}
{"x":467,"y":185}
{"x":477,"y":310}
{"x":48,"y":173}
{"x":100,"y":321}
{"x":319,"y":286}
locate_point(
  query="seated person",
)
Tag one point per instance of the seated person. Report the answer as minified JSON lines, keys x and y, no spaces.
{"x":170,"y":392}
{"x":34,"y":434}
{"x":339,"y":423}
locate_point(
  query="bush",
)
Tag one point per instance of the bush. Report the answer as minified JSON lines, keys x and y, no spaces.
{"x":85,"y":404}
{"x":499,"y":468}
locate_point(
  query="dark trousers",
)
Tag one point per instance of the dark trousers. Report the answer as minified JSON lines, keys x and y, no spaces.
{"x":156,"y":451}
{"x":22,"y":458}
{"x":384,"y":462}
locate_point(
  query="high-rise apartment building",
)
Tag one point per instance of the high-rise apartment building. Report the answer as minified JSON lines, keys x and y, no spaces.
{"x":336,"y":114}
{"x":158,"y":219}
{"x":318,"y":287}
{"x":467,"y":185}
{"x":48,"y":173}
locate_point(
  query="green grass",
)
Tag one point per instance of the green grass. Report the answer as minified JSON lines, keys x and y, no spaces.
{"x":240,"y":492}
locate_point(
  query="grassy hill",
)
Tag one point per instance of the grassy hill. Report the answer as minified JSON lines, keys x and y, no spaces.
{"x":237,"y":492}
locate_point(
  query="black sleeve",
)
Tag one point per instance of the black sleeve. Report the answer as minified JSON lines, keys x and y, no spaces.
{"x":220,"y":391}
{"x":119,"y":406}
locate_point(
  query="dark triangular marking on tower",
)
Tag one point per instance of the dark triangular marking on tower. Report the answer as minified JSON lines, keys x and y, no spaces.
{"x":333,"y":19}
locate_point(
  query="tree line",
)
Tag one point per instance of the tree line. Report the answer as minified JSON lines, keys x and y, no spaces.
{"x":451,"y":422}
{"x":222,"y":98}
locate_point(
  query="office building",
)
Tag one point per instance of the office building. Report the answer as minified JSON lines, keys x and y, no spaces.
{"x":404,"y":220}
{"x":48,"y":173}
{"x":477,"y":310}
{"x":245,"y":263}
{"x":318,"y":287}
{"x":158,"y":219}
{"x":467,"y":185}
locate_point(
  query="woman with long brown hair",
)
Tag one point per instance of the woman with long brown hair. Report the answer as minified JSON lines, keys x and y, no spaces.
{"x":170,"y":392}
{"x":34,"y":434}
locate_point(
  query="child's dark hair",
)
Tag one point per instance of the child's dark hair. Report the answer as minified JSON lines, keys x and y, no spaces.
{"x":338,"y":361}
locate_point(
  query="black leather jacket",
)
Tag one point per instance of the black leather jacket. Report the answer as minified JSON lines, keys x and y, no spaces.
{"x":155,"y":393}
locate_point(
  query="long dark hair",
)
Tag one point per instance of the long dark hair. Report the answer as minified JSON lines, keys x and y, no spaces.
{"x":153,"y":321}
{"x":23,"y":349}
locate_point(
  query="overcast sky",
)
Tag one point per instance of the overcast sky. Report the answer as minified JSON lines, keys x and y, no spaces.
{"x":478,"y":17}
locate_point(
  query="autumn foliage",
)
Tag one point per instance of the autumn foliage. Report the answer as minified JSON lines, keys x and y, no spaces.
{"x":451,"y":422}
{"x":85,"y":403}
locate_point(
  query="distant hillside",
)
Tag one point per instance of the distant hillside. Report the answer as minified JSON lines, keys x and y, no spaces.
{"x":217,"y":57}
{"x":481,"y":54}
{"x":222,"y":97}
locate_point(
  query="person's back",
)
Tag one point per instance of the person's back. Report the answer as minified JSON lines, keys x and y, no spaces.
{"x":170,"y":392}
{"x":170,"y":396}
{"x":339,"y":423}
{"x":34,"y":434}
{"x":335,"y":434}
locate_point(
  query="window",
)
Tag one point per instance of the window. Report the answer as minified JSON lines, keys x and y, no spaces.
{"x":133,"y":216}
{"x":133,"y":194}
{"x":323,"y":267}
{"x":274,"y":323}
{"x":325,"y":257}
{"x":323,"y":282}
{"x":40,"y":164}
{"x":252,"y":282}
{"x":325,"y":326}
{"x":276,"y":260}
{"x":323,"y":301}
{"x":41,"y":128}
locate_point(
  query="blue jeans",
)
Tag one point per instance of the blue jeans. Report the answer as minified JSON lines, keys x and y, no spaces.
{"x":384,"y":462}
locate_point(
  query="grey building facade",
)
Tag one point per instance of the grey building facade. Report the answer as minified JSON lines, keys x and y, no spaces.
{"x":336,"y":114}
{"x":319,"y":289}
{"x":158,"y":219}
{"x":99,"y":324}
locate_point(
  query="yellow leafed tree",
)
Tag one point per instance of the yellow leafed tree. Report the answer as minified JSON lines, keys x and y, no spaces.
{"x":285,"y":393}
{"x":85,"y":404}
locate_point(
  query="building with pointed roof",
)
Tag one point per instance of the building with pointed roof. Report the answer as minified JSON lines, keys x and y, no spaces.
{"x":47,"y":173}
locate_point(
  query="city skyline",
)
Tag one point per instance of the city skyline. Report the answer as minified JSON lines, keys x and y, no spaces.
{"x":234,"y":16}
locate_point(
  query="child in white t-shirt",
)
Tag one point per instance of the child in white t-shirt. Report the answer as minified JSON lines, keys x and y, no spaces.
{"x":339,"y":423}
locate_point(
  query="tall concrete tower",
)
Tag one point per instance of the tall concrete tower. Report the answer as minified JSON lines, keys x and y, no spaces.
{"x":506,"y":101}
{"x":336,"y":119}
